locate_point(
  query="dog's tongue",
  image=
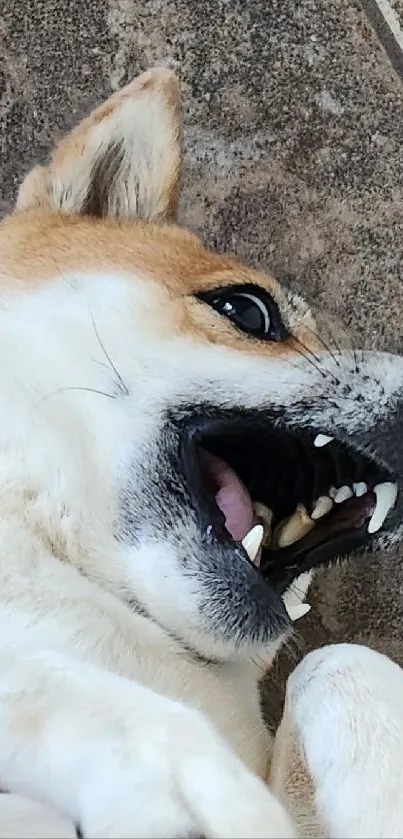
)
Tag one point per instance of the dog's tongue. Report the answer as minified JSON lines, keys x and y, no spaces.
{"x":231,"y":495}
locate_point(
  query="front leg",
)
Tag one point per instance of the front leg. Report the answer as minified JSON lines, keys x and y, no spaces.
{"x":338,"y":756}
{"x":122,"y":761}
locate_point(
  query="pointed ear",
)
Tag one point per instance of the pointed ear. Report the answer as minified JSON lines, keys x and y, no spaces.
{"x":122,"y":161}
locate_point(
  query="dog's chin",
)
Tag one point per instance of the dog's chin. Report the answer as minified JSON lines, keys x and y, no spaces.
{"x":271,"y":504}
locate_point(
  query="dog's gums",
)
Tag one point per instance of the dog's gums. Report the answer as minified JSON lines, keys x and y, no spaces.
{"x":291,"y":499}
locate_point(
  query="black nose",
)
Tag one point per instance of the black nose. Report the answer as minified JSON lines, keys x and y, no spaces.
{"x":385,"y":439}
{"x":383,"y":442}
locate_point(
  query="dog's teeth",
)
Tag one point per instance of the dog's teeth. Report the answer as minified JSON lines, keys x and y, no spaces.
{"x":360,"y":489}
{"x":265,"y":516}
{"x":322,"y":440}
{"x":386,"y":494}
{"x":297,"y":610}
{"x":294,"y":528}
{"x":332,"y":493}
{"x":343,"y":494}
{"x":322,"y":507}
{"x":252,"y":541}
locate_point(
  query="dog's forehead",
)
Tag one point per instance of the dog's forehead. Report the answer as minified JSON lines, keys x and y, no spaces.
{"x":36,"y":246}
{"x":37,"y":249}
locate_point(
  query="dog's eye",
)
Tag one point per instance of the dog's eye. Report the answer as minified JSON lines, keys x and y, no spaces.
{"x":250,"y":308}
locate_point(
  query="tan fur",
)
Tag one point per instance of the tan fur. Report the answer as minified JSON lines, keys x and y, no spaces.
{"x":291,"y":780}
{"x":35,"y":246}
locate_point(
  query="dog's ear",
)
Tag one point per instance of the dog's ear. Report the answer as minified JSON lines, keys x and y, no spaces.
{"x":122,"y":161}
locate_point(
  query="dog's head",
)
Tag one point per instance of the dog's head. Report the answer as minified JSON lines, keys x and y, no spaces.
{"x":172,"y":422}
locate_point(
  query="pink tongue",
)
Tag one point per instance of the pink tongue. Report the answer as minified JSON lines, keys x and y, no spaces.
{"x":231,"y":495}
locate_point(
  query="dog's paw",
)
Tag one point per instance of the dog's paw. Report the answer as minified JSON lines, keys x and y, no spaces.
{"x":19,"y":816}
{"x":337,"y":762}
{"x":178,"y":779}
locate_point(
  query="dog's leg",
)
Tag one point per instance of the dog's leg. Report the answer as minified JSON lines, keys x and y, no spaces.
{"x":122,"y":761}
{"x":338,"y":756}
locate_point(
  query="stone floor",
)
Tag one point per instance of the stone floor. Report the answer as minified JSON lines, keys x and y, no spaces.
{"x":397,"y":6}
{"x":387,"y":19}
{"x":294,"y":161}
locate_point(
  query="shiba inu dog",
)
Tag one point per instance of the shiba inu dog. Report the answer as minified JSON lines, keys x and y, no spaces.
{"x":178,"y":446}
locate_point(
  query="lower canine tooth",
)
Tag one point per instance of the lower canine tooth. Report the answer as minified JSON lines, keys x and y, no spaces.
{"x":386,"y":495}
{"x":252,"y":541}
{"x":298,"y":610}
{"x":294,"y":528}
{"x":322,"y":507}
{"x":343,"y":494}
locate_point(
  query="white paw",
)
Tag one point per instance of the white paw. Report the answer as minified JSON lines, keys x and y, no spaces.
{"x":344,"y":720}
{"x":178,"y":779}
{"x":19,"y":816}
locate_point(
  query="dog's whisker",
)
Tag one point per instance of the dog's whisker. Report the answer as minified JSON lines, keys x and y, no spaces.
{"x":312,"y":359}
{"x":85,"y":389}
{"x":325,"y":345}
{"x":112,"y":366}
{"x":311,"y":354}
{"x":355,"y":357}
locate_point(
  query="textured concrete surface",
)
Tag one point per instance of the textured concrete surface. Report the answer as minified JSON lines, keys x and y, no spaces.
{"x":386,"y":17}
{"x":397,"y":6}
{"x":294,"y":159}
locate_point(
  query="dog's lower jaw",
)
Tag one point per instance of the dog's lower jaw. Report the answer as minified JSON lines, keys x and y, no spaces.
{"x":206,"y":621}
{"x":189,"y":626}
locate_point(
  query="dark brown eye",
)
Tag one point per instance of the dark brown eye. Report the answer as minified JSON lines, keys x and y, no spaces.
{"x":251,"y":308}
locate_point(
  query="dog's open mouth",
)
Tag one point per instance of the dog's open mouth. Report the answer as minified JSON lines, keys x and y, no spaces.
{"x":293,"y":500}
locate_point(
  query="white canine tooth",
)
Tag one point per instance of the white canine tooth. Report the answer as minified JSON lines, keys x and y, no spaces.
{"x":322,"y":440}
{"x":252,"y":541}
{"x":322,"y":507}
{"x":343,"y":494}
{"x":297,"y":610}
{"x":386,"y":495}
{"x":332,"y":492}
{"x":360,"y":489}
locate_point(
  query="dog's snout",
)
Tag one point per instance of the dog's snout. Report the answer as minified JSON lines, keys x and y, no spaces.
{"x":376,"y":409}
{"x":370,"y":418}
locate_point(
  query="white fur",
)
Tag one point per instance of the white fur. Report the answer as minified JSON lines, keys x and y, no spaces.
{"x":120,"y":759}
{"x":50,"y":506}
{"x":111,"y":714}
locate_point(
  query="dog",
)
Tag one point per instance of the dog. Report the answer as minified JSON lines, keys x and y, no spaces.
{"x":179,"y":450}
